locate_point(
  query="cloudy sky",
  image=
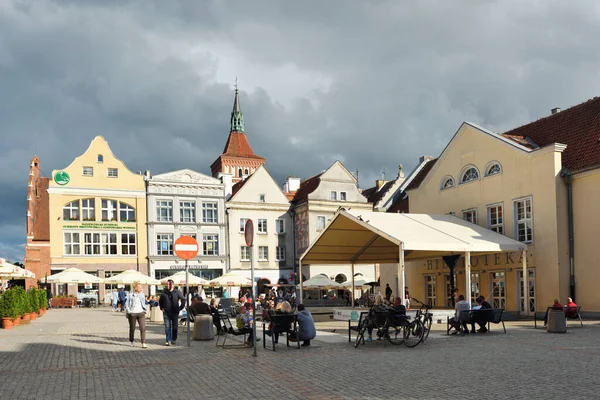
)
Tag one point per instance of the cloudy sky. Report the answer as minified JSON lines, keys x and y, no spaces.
{"x":371,"y":83}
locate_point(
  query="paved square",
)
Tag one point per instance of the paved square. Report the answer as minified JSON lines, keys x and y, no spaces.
{"x":85,"y":354}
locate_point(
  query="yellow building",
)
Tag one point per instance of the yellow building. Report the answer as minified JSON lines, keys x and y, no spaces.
{"x":97,"y":216}
{"x":538,"y":184}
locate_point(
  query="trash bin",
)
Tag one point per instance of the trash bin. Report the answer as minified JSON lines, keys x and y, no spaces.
{"x":557,"y":323}
{"x":156,"y":315}
{"x":203,"y":328}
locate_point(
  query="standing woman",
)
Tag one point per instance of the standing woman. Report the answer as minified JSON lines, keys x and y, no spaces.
{"x":136,"y":309}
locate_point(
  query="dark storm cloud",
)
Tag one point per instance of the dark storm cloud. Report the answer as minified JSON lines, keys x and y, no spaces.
{"x":372,"y":83}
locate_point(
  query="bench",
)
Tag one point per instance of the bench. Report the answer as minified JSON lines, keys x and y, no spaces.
{"x":285,"y":324}
{"x":491,"y":316}
{"x":570,"y":313}
{"x":351,"y":328}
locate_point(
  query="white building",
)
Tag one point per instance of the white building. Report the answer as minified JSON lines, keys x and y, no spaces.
{"x":315,"y":202}
{"x":260,"y":199}
{"x":188,"y":203}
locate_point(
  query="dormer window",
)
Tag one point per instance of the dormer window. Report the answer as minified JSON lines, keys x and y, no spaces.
{"x":100,"y":158}
{"x":447,"y":183}
{"x":493,"y":168}
{"x":470,"y":174}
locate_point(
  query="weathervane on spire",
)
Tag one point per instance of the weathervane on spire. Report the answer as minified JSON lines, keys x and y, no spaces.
{"x":236,"y":84}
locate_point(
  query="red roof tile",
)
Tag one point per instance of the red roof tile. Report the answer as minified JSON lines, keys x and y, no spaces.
{"x":236,"y":188}
{"x":237,"y":146}
{"x":416,"y":182}
{"x":578,"y":127}
{"x":307,"y":186}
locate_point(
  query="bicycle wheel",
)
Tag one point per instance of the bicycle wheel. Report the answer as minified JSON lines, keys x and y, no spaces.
{"x":413,"y":333}
{"x":395,"y":334}
{"x":360,"y":335}
{"x":427,"y":326}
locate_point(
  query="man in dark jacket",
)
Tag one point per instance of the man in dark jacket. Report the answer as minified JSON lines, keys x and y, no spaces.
{"x":481,"y":318}
{"x":388,"y":292}
{"x":171,"y":302}
{"x":122,"y":298}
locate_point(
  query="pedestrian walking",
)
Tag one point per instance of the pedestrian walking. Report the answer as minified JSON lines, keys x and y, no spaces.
{"x":136,"y":312}
{"x":171,"y":302}
{"x":122,"y":298}
{"x":114,"y":300}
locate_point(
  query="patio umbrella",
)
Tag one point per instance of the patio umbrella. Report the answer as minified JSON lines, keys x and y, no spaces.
{"x":179,"y":279}
{"x":73,"y":275}
{"x":358,"y":283}
{"x":8,"y":270}
{"x":230,"y":279}
{"x":129,"y":276}
{"x":321,"y":282}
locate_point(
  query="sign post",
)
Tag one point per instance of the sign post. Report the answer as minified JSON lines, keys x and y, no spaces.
{"x":186,"y":247}
{"x":249,"y":236}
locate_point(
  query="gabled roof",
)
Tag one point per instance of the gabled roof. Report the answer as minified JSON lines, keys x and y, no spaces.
{"x":307,"y":186}
{"x":237,"y":146}
{"x":400,"y":206}
{"x":416,"y":182}
{"x":373,"y":195}
{"x":236,"y":188}
{"x":578,"y":127}
{"x":254,"y":176}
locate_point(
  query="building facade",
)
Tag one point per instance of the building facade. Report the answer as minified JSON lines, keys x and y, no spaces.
{"x":97,"y":214}
{"x":314,"y":204}
{"x":186,"y":203}
{"x":260,"y":199}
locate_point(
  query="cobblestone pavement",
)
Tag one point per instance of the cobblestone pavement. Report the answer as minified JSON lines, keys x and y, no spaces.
{"x":85,"y":354}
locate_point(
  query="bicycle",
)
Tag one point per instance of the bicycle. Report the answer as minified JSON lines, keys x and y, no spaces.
{"x":396,"y":328}
{"x":425,"y":316}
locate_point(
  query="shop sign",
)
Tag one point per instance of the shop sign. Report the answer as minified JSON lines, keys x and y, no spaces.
{"x":62,"y":178}
{"x":182,"y":267}
{"x":508,"y":258}
{"x":99,"y":225}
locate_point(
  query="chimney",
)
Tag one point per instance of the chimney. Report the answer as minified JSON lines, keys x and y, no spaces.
{"x":555,"y":110}
{"x":291,"y":184}
{"x":227,"y":180}
{"x":425,"y":158}
{"x":379,"y":183}
{"x":147,"y":175}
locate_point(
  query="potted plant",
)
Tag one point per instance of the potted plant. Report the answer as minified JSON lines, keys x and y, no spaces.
{"x":24,"y":306}
{"x":33,"y":302}
{"x":7,"y":309}
{"x":43,"y":300}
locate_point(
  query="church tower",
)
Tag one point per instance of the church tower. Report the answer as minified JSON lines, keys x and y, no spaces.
{"x":237,"y":159}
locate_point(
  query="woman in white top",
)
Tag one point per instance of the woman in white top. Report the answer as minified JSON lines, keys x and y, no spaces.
{"x":136,"y":311}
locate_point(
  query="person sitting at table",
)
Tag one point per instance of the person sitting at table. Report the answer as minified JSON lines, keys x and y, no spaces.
{"x":282,"y":308}
{"x":570,"y":308}
{"x":243,"y":321}
{"x":215,"y":315}
{"x":199,"y":307}
{"x":456,"y":322}
{"x":555,"y":306}
{"x":306,"y":326}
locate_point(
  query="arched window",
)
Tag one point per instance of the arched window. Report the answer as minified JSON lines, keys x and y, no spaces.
{"x":100,"y":158}
{"x":470,"y":174}
{"x":447,"y":183}
{"x":71,"y":211}
{"x":240,"y":172}
{"x":126,"y":212}
{"x":246,"y":171}
{"x":493,"y":168}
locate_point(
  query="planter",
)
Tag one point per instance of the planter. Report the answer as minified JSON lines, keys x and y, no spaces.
{"x":64,"y":302}
{"x":33,"y":316}
{"x":17,"y":321}
{"x":7,"y":323}
{"x":26,"y":317}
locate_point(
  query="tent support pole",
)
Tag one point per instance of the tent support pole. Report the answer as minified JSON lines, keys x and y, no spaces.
{"x":300,"y":278}
{"x":352,"y":292}
{"x":468,"y":277}
{"x":401,"y":276}
{"x":525,"y":284}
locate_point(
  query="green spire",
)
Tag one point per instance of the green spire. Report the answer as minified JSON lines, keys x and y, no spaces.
{"x":237,"y":118}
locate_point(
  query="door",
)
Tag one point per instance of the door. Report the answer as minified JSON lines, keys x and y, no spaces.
{"x":498,"y":289}
{"x":531,"y":293}
{"x":475,"y":292}
{"x":448,"y":288}
{"x":430,"y":289}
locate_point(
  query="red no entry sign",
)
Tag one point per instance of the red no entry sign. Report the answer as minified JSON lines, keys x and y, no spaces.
{"x":186,"y":247}
{"x":249,"y":232}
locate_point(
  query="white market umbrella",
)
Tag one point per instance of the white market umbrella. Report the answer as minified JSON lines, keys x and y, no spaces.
{"x":358,"y":283}
{"x":73,"y":275}
{"x":179,"y":279}
{"x":321,"y":282}
{"x":130,"y":276}
{"x":230,"y":279}
{"x":8,"y":270}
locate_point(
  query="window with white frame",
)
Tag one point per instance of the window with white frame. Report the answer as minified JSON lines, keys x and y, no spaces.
{"x":88,"y":212}
{"x":471,"y":174}
{"x":447,"y":183}
{"x":71,"y":211}
{"x":263,"y":253}
{"x":342,"y":196}
{"x":88,"y":171}
{"x":493,"y":169}
{"x":470,"y":215}
{"x":280,"y":253}
{"x":112,"y":172}
{"x":261,"y":198}
{"x":495,"y":218}
{"x":91,"y":243}
{"x":164,"y":244}
{"x":320,"y":223}
{"x":243,"y":224}
{"x":280,"y":226}
{"x":523,"y":214}
{"x":109,"y":210}
{"x":210,"y":213}
{"x":210,"y":245}
{"x":71,"y":244}
{"x":333,"y":195}
{"x":126,"y":212}
{"x":187,"y":211}
{"x":109,"y":243}
{"x":245,"y":253}
{"x":164,"y":211}
{"x":128,"y":244}
{"x":262,"y":226}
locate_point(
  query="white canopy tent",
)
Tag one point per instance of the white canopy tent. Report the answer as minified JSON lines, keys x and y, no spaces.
{"x":367,"y":237}
{"x":230,"y":279}
{"x":130,"y":276}
{"x":10,"y":271}
{"x":73,"y":275}
{"x":179,"y":279}
{"x":321,"y":282}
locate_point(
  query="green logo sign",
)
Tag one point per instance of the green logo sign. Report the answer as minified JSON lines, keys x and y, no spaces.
{"x":62,"y":178}
{"x":354,"y":316}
